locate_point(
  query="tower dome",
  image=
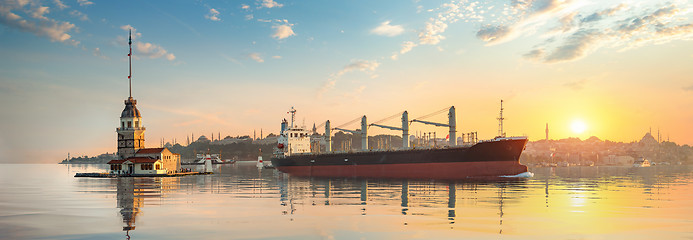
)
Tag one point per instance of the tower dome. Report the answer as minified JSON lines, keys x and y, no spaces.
{"x":130,"y":110}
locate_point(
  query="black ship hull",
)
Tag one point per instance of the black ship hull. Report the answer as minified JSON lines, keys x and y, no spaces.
{"x":499,"y":157}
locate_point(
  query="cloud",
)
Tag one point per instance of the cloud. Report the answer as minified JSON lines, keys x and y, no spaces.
{"x":577,"y":46}
{"x":385,"y":29}
{"x":213,"y":15}
{"x":249,"y":17}
{"x":38,"y":24}
{"x":79,"y":15}
{"x":245,"y":6}
{"x":84,"y":2}
{"x":59,"y":4}
{"x":611,"y":27}
{"x":359,"y":65}
{"x":576,"y":85}
{"x":135,"y":33}
{"x":601,"y":14}
{"x":689,"y":88}
{"x":270,"y":4}
{"x":566,"y":22}
{"x":38,"y":12}
{"x":145,"y":49}
{"x":491,"y":34}
{"x":431,"y":35}
{"x":406,"y":47}
{"x":355,"y":65}
{"x":153,"y":51}
{"x":536,"y":54}
{"x":256,"y":57}
{"x":277,"y":57}
{"x":283,"y":31}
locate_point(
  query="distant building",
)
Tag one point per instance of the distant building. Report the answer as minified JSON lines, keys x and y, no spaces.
{"x":203,"y":139}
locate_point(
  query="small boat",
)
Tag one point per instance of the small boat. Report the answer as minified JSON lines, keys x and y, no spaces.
{"x":214,"y":158}
{"x":641,"y":162}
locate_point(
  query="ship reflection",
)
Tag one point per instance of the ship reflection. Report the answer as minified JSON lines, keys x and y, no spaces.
{"x":131,"y":194}
{"x":443,"y":200}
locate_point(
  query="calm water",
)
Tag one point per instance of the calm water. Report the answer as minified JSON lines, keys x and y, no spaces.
{"x":241,"y":202}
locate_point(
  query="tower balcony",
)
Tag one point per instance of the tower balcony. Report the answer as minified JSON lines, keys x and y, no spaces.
{"x":133,"y":128}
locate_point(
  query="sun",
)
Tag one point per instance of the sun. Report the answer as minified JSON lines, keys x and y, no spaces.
{"x":578,"y":126}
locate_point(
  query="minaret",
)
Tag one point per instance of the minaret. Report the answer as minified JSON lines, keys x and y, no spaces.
{"x":547,"y":131}
{"x":131,"y":130}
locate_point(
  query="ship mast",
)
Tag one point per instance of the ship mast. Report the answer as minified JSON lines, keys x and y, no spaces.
{"x":500,"y":121}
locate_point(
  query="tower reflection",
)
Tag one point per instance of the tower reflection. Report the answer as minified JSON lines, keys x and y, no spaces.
{"x":131,"y":194}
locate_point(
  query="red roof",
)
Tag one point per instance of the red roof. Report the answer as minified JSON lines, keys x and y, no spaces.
{"x":142,"y":160}
{"x":116,"y":161}
{"x":150,"y":150}
{"x":135,"y":160}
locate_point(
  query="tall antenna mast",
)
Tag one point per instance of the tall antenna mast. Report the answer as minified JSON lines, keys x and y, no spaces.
{"x":293,"y":115}
{"x":130,"y":63}
{"x":500,"y":121}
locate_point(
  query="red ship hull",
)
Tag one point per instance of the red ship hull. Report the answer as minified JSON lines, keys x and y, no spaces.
{"x":455,"y":170}
{"x":486,"y":159}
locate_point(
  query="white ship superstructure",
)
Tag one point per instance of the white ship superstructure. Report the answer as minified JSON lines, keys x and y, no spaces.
{"x":292,"y":139}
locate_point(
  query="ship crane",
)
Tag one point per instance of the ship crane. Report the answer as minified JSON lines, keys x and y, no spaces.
{"x":404,"y":128}
{"x":363,"y":131}
{"x":452,"y":124}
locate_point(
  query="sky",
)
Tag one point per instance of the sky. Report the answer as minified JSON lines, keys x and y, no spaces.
{"x":615,"y":69}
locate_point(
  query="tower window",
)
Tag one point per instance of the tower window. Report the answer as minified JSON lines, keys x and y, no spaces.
{"x":122,"y":124}
{"x":129,"y":124}
{"x":137,"y":124}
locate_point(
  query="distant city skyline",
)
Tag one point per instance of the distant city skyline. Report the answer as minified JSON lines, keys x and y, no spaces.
{"x":587,"y":68}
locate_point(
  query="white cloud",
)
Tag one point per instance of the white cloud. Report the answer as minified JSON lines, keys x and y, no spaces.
{"x":385,"y":29}
{"x":213,"y":15}
{"x":356,"y":65}
{"x":627,"y":30}
{"x":38,"y":12}
{"x":283,"y":31}
{"x":135,"y":33}
{"x":38,"y":24}
{"x":245,"y":6}
{"x":406,"y":47}
{"x":84,"y":2}
{"x":145,"y":49}
{"x":249,"y":17}
{"x":277,"y":57}
{"x":431,"y":35}
{"x":256,"y":57}
{"x":153,"y":51}
{"x":270,"y":4}
{"x":79,"y":15}
{"x":59,"y":4}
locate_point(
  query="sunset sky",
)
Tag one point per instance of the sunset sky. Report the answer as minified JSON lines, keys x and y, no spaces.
{"x":231,"y":67}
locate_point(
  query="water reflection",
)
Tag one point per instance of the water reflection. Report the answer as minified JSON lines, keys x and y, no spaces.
{"x":572,"y":202}
{"x":131,"y":193}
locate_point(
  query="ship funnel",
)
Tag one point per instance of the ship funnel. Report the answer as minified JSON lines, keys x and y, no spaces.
{"x":405,"y":130}
{"x":328,"y":137}
{"x":364,"y":133}
{"x":453,"y":126}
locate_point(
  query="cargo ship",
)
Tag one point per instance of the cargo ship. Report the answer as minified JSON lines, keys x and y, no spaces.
{"x":296,"y":155}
